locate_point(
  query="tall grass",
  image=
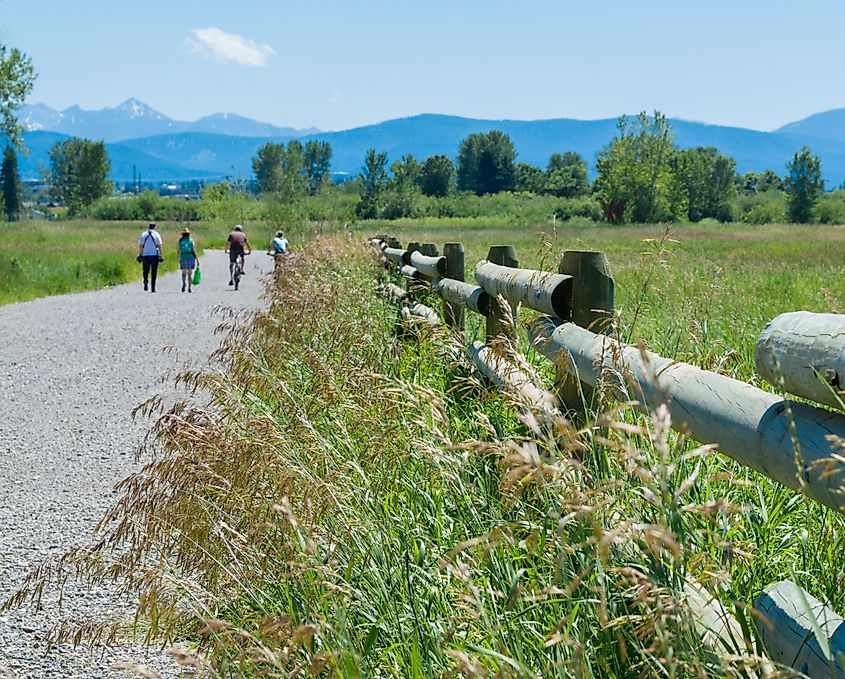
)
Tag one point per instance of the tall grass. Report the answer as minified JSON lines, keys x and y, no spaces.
{"x":345,"y":503}
{"x":703,"y":294}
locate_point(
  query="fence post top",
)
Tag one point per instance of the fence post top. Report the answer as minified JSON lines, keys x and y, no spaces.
{"x":504,"y":255}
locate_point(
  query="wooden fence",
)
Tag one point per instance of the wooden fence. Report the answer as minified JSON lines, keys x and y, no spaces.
{"x":798,"y":444}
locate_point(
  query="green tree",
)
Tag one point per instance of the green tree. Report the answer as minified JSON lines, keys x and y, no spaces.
{"x":467,"y":167}
{"x":529,"y":178}
{"x":708,"y":179}
{"x":566,"y":175}
{"x":752,"y":183}
{"x":402,"y":189}
{"x":635,"y":181}
{"x":17,"y":77}
{"x":285,"y":205}
{"x":78,"y":172}
{"x":317,"y":159}
{"x":267,"y":165}
{"x":223,"y":203}
{"x":804,"y":184}
{"x":213,"y":200}
{"x":486,"y":163}
{"x":436,"y":176}
{"x":148,"y":203}
{"x":11,"y":200}
{"x":293,"y":184}
{"x":769,"y":181}
{"x":373,"y":179}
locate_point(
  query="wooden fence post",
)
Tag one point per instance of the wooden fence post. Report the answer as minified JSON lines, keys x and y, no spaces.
{"x":429,"y":249}
{"x":592,"y":308}
{"x":453,"y":314}
{"x":504,"y":255}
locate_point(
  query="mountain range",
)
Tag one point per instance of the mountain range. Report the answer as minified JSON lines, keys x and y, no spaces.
{"x":144,"y":141}
{"x":134,"y":118}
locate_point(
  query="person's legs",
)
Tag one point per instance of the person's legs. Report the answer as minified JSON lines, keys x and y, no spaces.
{"x":231,"y":269}
{"x":153,"y":273}
{"x":145,"y":264}
{"x":190,"y":279}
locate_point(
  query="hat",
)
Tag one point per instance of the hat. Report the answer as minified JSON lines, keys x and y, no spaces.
{"x":279,"y":234}
{"x":186,"y":231}
{"x":238,"y":227}
{"x":151,"y":225}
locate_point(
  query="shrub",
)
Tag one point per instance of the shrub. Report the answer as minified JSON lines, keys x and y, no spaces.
{"x":831,"y":208}
{"x":762,"y":208}
{"x":585,"y":208}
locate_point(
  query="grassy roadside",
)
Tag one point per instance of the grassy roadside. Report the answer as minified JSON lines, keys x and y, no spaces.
{"x":702,"y":294}
{"x":353,"y":505}
{"x":40,"y":258}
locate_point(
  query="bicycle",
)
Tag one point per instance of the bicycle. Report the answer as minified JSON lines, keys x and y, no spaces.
{"x":238,"y":271}
{"x":278,"y":258}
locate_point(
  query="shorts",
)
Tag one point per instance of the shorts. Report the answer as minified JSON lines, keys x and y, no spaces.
{"x":189,"y":263}
{"x":234,"y":254}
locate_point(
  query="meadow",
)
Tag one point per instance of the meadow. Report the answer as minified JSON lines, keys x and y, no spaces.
{"x":39,"y":258}
{"x":349,"y":502}
{"x":697,"y":292}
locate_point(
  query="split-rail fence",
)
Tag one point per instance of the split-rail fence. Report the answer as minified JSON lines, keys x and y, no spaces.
{"x":799,"y":444}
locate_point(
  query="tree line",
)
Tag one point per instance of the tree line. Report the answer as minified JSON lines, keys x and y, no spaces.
{"x":640,"y":176}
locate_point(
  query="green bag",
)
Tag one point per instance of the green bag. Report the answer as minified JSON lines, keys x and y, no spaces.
{"x":197,"y":276}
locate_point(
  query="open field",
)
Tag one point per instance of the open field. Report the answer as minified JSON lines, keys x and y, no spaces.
{"x":39,"y":258}
{"x":383,"y":514}
{"x":703,"y":294}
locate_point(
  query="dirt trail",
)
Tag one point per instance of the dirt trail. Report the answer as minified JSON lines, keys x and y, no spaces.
{"x":73,"y":367}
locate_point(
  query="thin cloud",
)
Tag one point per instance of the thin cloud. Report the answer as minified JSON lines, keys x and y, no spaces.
{"x":218,"y":45}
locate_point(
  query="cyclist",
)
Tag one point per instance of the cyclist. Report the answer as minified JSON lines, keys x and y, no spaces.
{"x":278,"y":247}
{"x":235,"y":247}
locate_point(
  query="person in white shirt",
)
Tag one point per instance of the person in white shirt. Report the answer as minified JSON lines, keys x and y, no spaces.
{"x":149,"y":254}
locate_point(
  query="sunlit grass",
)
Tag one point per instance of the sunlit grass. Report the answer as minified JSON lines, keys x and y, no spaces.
{"x":351,"y":503}
{"x":39,"y":258}
{"x":713,"y":289}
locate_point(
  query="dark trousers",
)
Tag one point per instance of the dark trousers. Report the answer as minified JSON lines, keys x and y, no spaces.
{"x":150,"y":264}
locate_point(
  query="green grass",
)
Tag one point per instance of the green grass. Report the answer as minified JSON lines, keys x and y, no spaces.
{"x":40,"y":258}
{"x":708,"y":292}
{"x":356,"y":504}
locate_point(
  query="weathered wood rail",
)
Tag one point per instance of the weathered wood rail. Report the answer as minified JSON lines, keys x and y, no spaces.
{"x":792,"y":442}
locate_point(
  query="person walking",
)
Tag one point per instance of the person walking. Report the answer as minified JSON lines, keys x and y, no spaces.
{"x":149,"y":254}
{"x":188,"y":259}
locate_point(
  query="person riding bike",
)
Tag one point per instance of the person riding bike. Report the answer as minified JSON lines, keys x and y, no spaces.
{"x":235,"y":247}
{"x":278,"y":248}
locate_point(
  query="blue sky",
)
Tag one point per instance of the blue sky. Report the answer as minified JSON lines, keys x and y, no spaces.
{"x":336,"y":65}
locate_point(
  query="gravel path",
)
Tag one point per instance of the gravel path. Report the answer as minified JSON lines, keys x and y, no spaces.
{"x":73,"y":368}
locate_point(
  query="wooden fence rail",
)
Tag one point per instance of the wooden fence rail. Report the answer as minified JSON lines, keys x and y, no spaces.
{"x":794,"y":443}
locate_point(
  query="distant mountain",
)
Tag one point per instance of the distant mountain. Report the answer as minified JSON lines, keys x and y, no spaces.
{"x":825,"y":125}
{"x":182,"y":154}
{"x":238,"y":126}
{"x":122,"y":160}
{"x":133,"y":119}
